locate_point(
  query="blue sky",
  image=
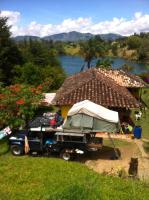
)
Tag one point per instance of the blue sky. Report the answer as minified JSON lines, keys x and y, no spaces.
{"x":55,"y":12}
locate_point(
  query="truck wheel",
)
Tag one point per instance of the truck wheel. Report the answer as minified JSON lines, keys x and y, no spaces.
{"x":16,"y":150}
{"x":66,"y":155}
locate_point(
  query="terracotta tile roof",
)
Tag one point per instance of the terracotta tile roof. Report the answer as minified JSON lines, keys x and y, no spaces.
{"x":124,"y":78}
{"x":94,"y":86}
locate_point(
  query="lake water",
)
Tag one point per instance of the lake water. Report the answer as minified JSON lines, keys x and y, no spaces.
{"x":73,"y":64}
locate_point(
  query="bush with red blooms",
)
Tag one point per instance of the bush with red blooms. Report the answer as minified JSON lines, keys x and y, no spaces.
{"x":18,"y":104}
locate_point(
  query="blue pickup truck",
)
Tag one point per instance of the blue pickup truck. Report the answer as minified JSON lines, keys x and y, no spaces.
{"x":44,"y":141}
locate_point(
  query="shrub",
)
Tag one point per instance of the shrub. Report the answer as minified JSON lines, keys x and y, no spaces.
{"x":18,"y":104}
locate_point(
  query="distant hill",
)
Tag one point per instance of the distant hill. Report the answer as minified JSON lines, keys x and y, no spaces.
{"x":26,"y":37}
{"x":110,"y":36}
{"x":70,"y":36}
{"x":75,"y":36}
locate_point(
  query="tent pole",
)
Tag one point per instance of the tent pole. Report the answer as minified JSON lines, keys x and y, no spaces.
{"x":115,"y":150}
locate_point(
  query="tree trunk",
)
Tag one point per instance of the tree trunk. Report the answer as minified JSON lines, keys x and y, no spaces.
{"x":88,"y":64}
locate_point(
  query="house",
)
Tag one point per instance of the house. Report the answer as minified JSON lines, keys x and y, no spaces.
{"x":99,"y":87}
{"x":131,"y":81}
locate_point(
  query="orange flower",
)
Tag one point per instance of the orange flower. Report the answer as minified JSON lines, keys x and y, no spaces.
{"x":39,"y":87}
{"x":20,"y":102}
{"x":33,"y":90}
{"x":2,"y":106}
{"x":15,"y":88}
{"x":2,"y":96}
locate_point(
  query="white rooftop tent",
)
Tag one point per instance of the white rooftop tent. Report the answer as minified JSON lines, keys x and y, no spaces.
{"x":89,"y":108}
{"x":87,"y":115}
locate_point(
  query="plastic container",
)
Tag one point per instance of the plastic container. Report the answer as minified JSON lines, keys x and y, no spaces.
{"x":137,"y":132}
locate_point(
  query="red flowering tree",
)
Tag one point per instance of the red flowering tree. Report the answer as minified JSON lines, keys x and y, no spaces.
{"x":18,"y":104}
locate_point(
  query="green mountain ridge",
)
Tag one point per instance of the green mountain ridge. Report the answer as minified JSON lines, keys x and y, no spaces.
{"x":70,"y":36}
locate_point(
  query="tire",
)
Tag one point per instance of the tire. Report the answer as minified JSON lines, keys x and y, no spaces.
{"x":66,"y":155}
{"x":16,"y":150}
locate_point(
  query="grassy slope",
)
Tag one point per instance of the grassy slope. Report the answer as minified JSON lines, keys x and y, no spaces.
{"x":118,"y":143}
{"x":54,"y":179}
{"x":127,"y":54}
{"x":122,"y":52}
{"x":4,"y":147}
{"x":71,"y":50}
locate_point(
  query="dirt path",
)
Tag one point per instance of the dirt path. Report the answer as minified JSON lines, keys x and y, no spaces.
{"x":102,"y":161}
{"x":143,"y":171}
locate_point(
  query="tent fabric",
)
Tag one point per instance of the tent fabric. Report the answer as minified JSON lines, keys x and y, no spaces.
{"x":89,"y":108}
{"x":88,"y":116}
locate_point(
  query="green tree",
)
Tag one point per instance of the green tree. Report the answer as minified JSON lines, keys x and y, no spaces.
{"x":29,"y":74}
{"x":56,"y":76}
{"x":59,"y":46}
{"x":38,"y":53}
{"x":122,"y":42}
{"x":91,"y":49}
{"x":53,"y":60}
{"x":41,"y":65}
{"x":104,"y":63}
{"x":9,"y":53}
{"x":133,"y":42}
{"x":143,"y":52}
{"x":4,"y":31}
{"x":114,"y":48}
{"x":51,"y":77}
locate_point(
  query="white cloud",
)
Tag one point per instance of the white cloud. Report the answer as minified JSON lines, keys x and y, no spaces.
{"x":139,"y":23}
{"x":137,"y":15}
{"x":67,"y":25}
{"x":13,"y":17}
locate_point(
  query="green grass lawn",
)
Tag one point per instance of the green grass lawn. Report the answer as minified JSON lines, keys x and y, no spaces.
{"x":41,"y":178}
{"x":118,"y":143}
{"x":144,"y":122}
{"x":4,"y":147}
